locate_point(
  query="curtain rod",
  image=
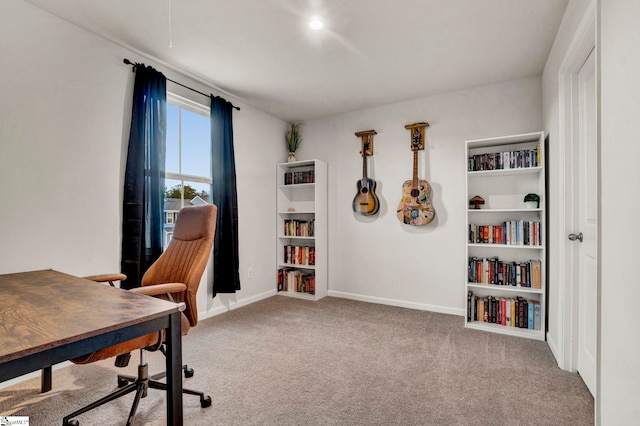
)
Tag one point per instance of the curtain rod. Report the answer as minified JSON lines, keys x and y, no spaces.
{"x":128,"y":62}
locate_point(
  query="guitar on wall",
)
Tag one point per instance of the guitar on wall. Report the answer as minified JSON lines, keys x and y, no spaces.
{"x":415,"y":208}
{"x":366,"y":201}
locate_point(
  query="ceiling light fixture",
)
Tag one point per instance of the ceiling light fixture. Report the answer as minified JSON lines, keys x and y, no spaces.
{"x":316,"y":23}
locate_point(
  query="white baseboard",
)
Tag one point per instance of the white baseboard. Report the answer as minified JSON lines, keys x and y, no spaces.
{"x":230,"y":305}
{"x":556,"y":354}
{"x":398,"y":303}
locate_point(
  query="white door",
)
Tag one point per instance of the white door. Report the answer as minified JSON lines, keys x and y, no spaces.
{"x":588,"y":223}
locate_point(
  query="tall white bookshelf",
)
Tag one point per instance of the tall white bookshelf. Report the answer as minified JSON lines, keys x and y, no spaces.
{"x":506,"y":244}
{"x":302,"y":228}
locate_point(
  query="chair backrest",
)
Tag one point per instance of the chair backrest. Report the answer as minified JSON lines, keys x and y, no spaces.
{"x":187,"y":255}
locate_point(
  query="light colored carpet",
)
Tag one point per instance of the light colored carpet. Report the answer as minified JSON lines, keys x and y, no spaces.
{"x":284,"y":361}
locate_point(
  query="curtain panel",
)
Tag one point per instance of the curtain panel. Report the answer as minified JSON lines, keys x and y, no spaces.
{"x":143,"y":203}
{"x":226,"y":277}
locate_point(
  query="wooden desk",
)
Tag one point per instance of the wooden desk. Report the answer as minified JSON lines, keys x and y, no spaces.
{"x":47,"y":317}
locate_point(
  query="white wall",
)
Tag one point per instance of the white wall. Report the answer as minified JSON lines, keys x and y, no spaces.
{"x":620,"y":174}
{"x":379,"y":259}
{"x":64,"y":127}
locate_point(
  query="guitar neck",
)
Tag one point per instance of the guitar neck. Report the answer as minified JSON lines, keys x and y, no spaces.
{"x":364,"y":168}
{"x":415,"y":168}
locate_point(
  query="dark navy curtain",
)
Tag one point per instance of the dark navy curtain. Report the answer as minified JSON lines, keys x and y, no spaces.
{"x":143,"y":204}
{"x":226,"y":278}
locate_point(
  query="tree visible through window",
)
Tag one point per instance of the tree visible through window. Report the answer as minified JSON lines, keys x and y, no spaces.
{"x":188,"y":159}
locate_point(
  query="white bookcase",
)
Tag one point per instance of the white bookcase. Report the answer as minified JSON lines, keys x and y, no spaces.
{"x":302,"y":246}
{"x":506,"y":244}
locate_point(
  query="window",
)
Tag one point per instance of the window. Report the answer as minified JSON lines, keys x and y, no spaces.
{"x":188,"y":161}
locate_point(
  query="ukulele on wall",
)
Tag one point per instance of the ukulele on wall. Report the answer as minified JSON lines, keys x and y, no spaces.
{"x":415,"y":207}
{"x":366,"y":201}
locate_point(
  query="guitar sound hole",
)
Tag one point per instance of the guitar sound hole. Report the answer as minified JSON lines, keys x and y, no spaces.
{"x":415,"y":192}
{"x":364,"y":190}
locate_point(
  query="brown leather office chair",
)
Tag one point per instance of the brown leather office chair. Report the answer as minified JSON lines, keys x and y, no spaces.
{"x":175,"y":276}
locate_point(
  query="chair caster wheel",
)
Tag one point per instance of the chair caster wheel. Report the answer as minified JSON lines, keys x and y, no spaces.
{"x":71,"y":423}
{"x":205,"y":401}
{"x":122,"y":382}
{"x":188,"y":372}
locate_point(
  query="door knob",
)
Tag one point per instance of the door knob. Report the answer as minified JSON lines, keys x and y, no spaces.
{"x":574,"y":237}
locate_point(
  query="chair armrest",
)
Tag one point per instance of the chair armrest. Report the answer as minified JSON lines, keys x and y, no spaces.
{"x":159,"y":289}
{"x":103,"y":278}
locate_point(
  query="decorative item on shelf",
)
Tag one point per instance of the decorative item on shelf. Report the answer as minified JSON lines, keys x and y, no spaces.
{"x":476,"y":202}
{"x":366,"y":201}
{"x":415,"y":206}
{"x":293,"y":140}
{"x":532,"y":201}
{"x":291,"y":210}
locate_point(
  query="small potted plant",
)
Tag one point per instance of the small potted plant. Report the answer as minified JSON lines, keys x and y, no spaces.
{"x":293,"y":140}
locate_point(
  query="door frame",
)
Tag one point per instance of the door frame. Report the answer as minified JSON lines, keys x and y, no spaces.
{"x":582,"y":45}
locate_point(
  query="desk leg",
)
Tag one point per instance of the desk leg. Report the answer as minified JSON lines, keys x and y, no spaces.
{"x":46,"y":382}
{"x":174,"y":370}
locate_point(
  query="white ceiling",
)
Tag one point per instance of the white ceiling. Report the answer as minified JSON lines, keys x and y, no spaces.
{"x":371,"y":52}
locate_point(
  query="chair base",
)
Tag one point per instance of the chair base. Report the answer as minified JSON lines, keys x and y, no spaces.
{"x":140,"y":384}
{"x":124,"y":381}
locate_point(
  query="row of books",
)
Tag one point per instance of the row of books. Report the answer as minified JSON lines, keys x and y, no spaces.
{"x":292,"y":178}
{"x":296,"y":281}
{"x":299,"y":255}
{"x":505,"y":160}
{"x":497,"y":272}
{"x":509,"y":312}
{"x":512,"y":232}
{"x":298,"y":228}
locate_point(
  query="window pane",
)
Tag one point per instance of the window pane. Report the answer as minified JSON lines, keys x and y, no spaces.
{"x":199,"y":193}
{"x":172,"y":205}
{"x":173,"y":132}
{"x":188,"y":154}
{"x":173,"y":197}
{"x":196,"y":144}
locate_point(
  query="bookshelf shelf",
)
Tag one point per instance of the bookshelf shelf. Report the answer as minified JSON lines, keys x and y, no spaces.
{"x":507,"y":172}
{"x":506,"y":237}
{"x":295,"y":237}
{"x":296,"y":266}
{"x":304,"y":296}
{"x":511,"y":331}
{"x":296,"y":186}
{"x":506,"y":246}
{"x":481,"y":211}
{"x":506,"y":288}
{"x":297,"y":212}
{"x":301,"y":204}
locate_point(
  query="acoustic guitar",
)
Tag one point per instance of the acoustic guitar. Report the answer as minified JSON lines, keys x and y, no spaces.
{"x":415,"y":208}
{"x":366,"y":201}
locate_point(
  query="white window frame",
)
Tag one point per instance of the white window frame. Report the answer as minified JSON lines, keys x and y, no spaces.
{"x":197,"y":108}
{"x":187,"y":104}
